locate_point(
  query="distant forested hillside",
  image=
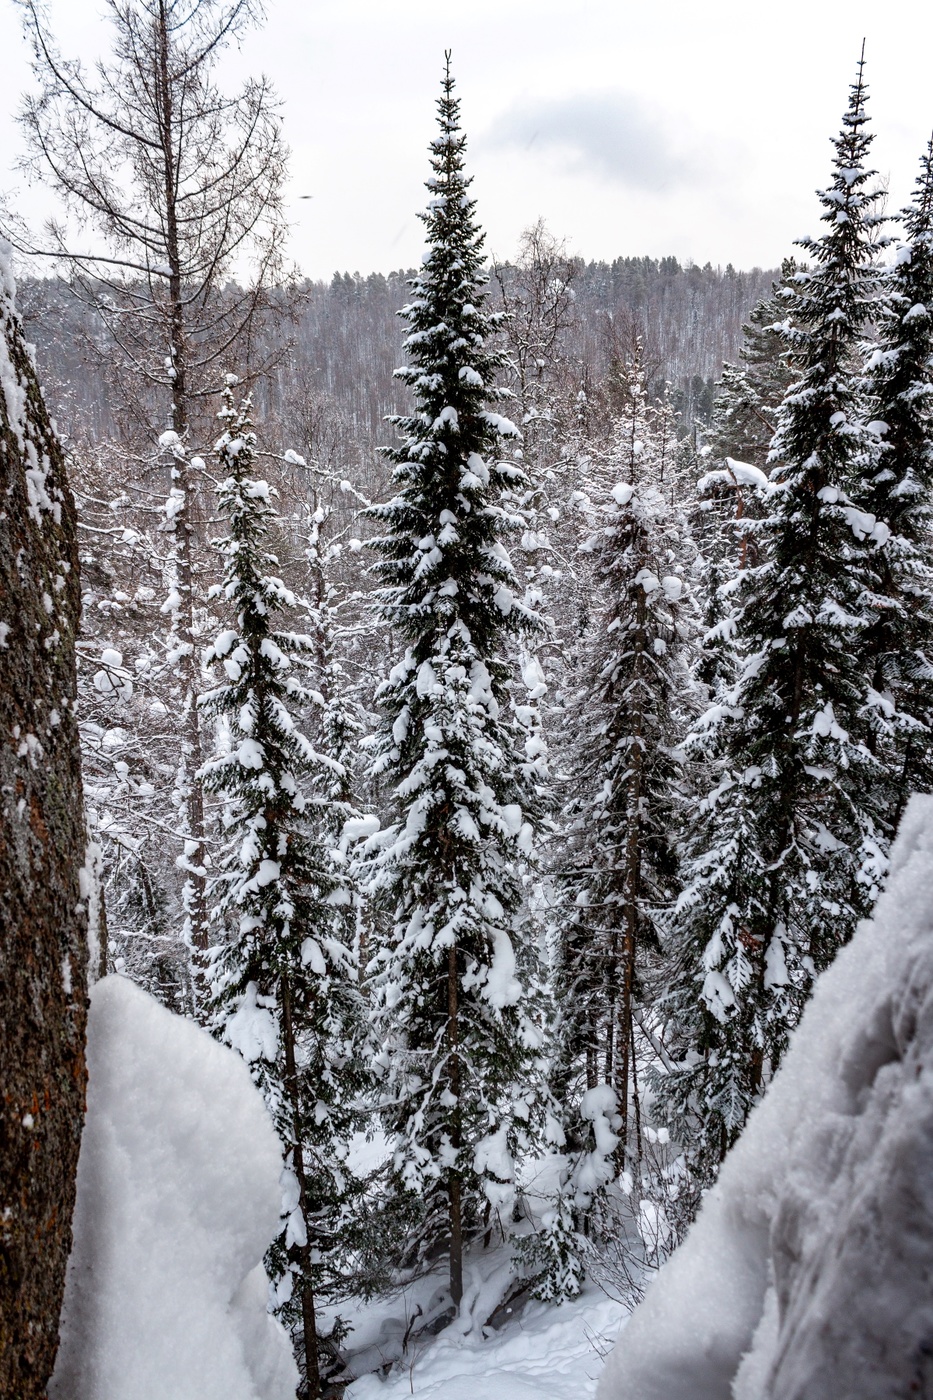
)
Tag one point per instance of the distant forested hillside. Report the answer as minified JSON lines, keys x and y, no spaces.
{"x":345,"y":341}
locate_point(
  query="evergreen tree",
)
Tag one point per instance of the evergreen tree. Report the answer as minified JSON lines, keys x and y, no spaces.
{"x":284,"y":992}
{"x":619,"y":870}
{"x":787,"y":849}
{"x":739,"y":436}
{"x":899,"y":381}
{"x":749,"y":394}
{"x":458,"y":750}
{"x":624,"y":787}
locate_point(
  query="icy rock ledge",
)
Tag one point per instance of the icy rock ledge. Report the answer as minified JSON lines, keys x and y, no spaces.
{"x":178,"y":1200}
{"x":806,"y":1275}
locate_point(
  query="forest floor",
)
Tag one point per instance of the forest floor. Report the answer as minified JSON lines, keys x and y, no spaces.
{"x":538,"y":1351}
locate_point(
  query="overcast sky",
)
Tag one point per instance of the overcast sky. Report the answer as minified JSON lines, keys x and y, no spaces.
{"x":663,"y":126}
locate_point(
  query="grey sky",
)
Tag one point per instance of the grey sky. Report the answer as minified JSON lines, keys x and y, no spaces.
{"x":697,"y":130}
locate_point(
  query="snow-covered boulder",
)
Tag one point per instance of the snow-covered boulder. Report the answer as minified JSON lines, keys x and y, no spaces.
{"x":806,"y":1275}
{"x":178,"y":1199}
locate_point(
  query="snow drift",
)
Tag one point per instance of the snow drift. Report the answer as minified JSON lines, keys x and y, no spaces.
{"x":178,"y":1199}
{"x":807,"y":1272}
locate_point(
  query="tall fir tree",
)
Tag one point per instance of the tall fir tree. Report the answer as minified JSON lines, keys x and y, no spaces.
{"x":787,"y":850}
{"x":285,"y":985}
{"x":457,"y":752}
{"x":614,"y":871}
{"x":623,"y":778}
{"x":899,"y":382}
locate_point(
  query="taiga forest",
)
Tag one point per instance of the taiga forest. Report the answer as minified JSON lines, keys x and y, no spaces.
{"x":466,"y":763}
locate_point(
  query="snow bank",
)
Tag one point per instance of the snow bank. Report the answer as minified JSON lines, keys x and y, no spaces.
{"x":807,"y":1271}
{"x":178,"y":1199}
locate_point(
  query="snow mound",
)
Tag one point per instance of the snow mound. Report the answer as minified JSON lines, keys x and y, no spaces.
{"x":178,"y":1199}
{"x":806,"y":1273}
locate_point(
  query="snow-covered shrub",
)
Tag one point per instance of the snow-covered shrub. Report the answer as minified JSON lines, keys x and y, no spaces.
{"x":640,"y":1218}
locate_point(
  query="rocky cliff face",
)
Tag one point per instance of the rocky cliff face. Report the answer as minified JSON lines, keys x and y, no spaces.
{"x":44,"y":894}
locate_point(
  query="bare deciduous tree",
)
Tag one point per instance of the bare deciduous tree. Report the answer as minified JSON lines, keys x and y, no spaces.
{"x":537,"y":295}
{"x":179,"y":187}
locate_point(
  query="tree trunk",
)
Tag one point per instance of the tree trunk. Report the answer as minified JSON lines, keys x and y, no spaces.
{"x":626,"y":1033}
{"x":454,"y":1193}
{"x":183,"y":523}
{"x":303,"y":1252}
{"x":44,"y":930}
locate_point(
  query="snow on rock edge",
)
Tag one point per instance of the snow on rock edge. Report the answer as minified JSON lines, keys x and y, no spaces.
{"x":804,"y":1273}
{"x":178,"y":1199}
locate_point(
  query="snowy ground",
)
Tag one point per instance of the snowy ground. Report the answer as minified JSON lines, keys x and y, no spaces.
{"x":539,"y":1352}
{"x":543,"y":1353}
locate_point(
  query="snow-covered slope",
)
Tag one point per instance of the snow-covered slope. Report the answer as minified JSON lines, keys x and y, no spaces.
{"x":808,"y":1271}
{"x":178,"y":1199}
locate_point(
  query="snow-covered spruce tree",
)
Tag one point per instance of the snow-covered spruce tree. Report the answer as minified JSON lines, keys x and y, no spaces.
{"x":735,"y":450}
{"x":899,"y":382}
{"x":457,"y":755}
{"x":285,"y":983}
{"x":749,"y":394}
{"x":624,"y":789}
{"x":787,"y":850}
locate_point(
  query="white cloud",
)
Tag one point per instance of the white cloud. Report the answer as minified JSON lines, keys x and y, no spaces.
{"x":607,"y":133}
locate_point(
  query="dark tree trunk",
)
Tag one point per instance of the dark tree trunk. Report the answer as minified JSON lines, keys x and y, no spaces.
{"x":44,"y":942}
{"x":301,"y":1253}
{"x":454,"y":1185}
{"x":632,"y":888}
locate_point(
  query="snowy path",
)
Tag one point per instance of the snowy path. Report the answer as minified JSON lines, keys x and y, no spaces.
{"x":547,"y":1353}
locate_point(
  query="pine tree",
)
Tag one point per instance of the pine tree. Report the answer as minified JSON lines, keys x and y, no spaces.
{"x":625,"y":786}
{"x":457,"y":751}
{"x":899,"y":381}
{"x":787,"y":849}
{"x":284,"y":992}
